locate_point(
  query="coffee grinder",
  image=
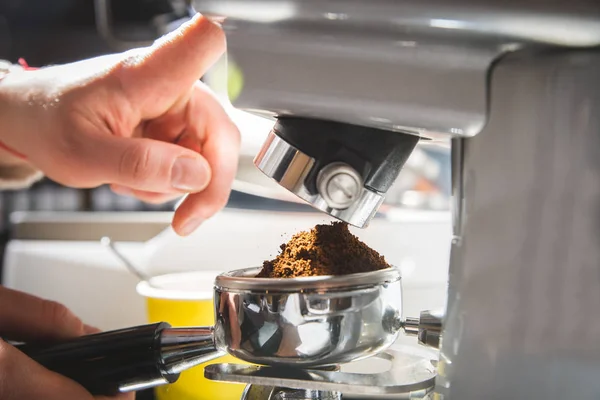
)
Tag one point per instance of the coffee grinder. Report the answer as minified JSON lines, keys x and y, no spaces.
{"x":354,"y":85}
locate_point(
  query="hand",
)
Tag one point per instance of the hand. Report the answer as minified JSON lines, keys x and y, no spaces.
{"x":140,"y":121}
{"x":27,"y":318}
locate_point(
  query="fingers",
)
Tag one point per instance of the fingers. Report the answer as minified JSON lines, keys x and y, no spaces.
{"x":220,"y":146}
{"x":23,"y":379}
{"x":202,"y":125}
{"x":27,"y":318}
{"x":154,"y":78}
{"x":147,"y":197}
{"x":143,"y":164}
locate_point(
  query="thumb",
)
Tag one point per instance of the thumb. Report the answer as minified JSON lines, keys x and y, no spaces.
{"x":25,"y":317}
{"x":153,"y":78}
{"x":141,"y":164}
{"x":23,"y":379}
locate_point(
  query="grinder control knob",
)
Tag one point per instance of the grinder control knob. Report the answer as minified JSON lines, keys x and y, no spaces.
{"x":339,"y":184}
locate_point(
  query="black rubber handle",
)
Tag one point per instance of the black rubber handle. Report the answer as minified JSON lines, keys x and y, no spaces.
{"x":103,"y":363}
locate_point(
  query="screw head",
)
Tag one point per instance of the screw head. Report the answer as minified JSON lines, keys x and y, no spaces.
{"x":339,"y":184}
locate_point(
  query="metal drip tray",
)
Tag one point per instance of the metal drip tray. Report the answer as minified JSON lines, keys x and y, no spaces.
{"x":411,"y":374}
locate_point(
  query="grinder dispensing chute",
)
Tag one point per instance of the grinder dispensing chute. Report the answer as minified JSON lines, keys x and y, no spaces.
{"x":335,"y":167}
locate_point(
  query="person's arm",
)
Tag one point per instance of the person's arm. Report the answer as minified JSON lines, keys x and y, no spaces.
{"x":140,"y":121}
{"x":15,"y":171}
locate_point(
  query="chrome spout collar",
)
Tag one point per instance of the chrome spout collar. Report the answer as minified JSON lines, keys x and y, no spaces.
{"x":340,"y":191}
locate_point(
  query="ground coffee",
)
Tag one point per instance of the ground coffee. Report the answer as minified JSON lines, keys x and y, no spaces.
{"x":324,"y":250}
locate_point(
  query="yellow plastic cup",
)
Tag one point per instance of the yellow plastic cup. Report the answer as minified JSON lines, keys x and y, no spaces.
{"x":186,"y":299}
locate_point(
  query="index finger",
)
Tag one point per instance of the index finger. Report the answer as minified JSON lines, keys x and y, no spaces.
{"x":220,"y":147}
{"x":156,"y":77}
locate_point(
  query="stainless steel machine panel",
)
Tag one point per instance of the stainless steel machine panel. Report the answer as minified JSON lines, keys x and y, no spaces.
{"x":524,"y":278}
{"x":417,"y":66}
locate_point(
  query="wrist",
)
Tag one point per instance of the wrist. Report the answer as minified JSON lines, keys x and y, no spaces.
{"x":16,"y":171}
{"x":6,"y":96}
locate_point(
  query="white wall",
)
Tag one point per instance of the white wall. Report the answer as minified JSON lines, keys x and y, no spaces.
{"x":90,"y":280}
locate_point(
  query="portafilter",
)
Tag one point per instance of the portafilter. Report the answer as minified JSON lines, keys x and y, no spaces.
{"x":301,"y":322}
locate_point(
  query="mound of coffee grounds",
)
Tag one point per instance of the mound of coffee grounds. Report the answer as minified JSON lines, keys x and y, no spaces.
{"x":324,"y":250}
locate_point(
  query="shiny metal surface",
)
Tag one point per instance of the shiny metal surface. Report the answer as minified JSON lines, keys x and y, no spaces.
{"x":411,"y":326}
{"x":304,"y":322}
{"x":409,"y":374}
{"x":417,"y":66}
{"x":307,"y":322}
{"x":479,"y":18}
{"x":253,"y":392}
{"x":430,"y":328}
{"x":457,"y":190}
{"x":142,"y":385}
{"x":339,"y":184}
{"x":289,"y":167}
{"x":243,"y":280}
{"x":526,"y":186}
{"x":529,"y":234}
{"x":184,"y":348}
{"x":427,"y":328}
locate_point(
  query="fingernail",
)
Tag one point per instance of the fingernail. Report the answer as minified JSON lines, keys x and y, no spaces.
{"x":190,"y":226}
{"x":189,"y":174}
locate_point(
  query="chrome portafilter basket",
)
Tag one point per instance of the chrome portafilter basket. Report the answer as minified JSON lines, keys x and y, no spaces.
{"x":296,"y":332}
{"x":307,"y":322}
{"x":301,"y":329}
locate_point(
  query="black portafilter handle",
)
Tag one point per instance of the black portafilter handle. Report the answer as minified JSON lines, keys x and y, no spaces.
{"x":108,"y":363}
